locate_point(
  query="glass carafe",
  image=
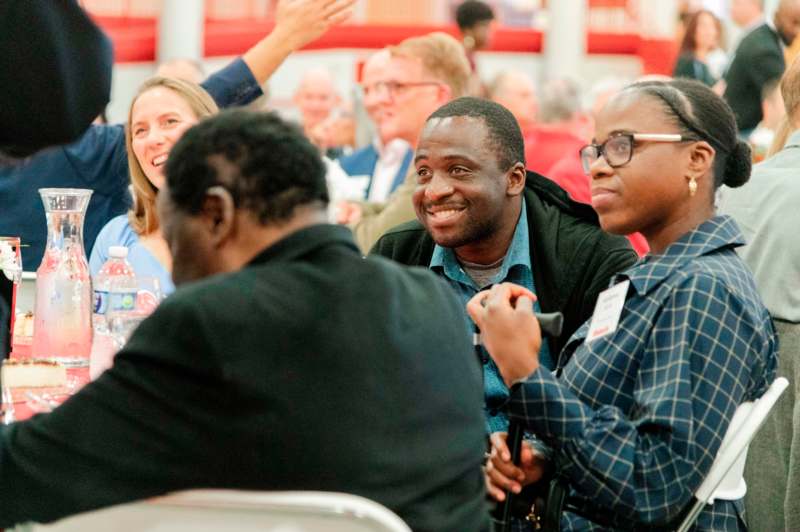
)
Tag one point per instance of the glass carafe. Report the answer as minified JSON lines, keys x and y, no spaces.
{"x":63,"y":312}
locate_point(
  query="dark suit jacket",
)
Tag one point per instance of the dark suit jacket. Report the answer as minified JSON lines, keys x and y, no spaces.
{"x":758,"y":59}
{"x":311,"y":368}
{"x":364,"y":160}
{"x":573,"y":259}
{"x":55,"y":73}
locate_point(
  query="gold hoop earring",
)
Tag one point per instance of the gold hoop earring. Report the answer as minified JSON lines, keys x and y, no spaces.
{"x":692,"y":186}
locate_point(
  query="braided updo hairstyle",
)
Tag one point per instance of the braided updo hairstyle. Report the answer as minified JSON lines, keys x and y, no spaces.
{"x":702,"y":115}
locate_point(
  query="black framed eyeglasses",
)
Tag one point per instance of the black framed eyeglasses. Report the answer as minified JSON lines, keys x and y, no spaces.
{"x":392,"y":88}
{"x":618,"y":149}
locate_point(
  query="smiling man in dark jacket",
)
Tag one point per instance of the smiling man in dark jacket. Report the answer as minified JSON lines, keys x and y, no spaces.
{"x":482,"y":219}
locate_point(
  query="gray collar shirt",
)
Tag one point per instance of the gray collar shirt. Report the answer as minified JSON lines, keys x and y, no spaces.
{"x":767,"y":209}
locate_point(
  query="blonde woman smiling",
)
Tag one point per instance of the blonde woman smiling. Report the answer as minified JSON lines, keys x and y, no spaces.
{"x":162,"y":110}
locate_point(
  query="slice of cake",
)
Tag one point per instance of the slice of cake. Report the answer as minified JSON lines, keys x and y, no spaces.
{"x":32,"y":373}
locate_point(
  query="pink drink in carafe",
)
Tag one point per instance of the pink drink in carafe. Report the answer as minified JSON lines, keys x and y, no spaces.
{"x":63,"y":313}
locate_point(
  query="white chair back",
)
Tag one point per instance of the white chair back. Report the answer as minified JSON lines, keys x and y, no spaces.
{"x":724,"y":479}
{"x":243,"y":511}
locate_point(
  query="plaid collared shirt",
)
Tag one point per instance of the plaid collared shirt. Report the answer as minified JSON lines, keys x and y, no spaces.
{"x":638,"y":415}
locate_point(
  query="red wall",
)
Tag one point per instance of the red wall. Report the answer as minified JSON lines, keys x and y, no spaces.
{"x":135,"y":40}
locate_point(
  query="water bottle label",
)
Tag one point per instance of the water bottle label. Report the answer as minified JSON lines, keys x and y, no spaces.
{"x":100,"y":301}
{"x":121,"y":301}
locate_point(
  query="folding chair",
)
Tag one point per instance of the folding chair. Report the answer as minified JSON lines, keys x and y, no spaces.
{"x":243,"y":511}
{"x":724,"y":480}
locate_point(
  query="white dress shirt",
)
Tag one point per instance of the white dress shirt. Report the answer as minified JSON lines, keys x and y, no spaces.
{"x":390,"y":159}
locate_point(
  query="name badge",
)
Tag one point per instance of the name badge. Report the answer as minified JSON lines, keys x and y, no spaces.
{"x":607,"y":311}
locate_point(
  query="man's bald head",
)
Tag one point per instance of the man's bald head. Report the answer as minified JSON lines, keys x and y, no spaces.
{"x":315,"y":96}
{"x":316,"y":76}
{"x":787,"y":20}
{"x":746,"y":12}
{"x":516,"y":92}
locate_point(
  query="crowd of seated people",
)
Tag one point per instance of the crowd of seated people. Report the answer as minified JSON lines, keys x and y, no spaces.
{"x":382,"y":344}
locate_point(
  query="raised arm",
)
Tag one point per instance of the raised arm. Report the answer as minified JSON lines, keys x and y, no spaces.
{"x":298,"y":22}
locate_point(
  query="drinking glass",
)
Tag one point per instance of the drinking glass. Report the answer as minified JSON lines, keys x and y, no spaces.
{"x":10,"y":277}
{"x":9,"y":413}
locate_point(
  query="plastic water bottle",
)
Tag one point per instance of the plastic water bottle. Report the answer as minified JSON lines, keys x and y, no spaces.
{"x":115,"y":290}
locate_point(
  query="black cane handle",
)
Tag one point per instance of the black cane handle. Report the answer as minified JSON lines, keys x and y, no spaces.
{"x":551,"y":324}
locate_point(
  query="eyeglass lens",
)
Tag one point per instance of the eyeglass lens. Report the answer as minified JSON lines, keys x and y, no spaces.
{"x":616,"y":150}
{"x":382,"y":88}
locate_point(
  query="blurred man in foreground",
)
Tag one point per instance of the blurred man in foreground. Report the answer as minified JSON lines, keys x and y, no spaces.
{"x":277,"y":364}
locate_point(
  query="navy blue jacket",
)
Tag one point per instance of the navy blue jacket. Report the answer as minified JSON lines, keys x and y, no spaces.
{"x":364,"y":160}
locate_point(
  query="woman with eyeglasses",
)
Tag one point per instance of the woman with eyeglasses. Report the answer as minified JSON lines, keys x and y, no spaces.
{"x":644,"y":392}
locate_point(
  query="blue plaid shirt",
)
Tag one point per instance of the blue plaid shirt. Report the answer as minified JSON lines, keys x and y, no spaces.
{"x":637,"y":416}
{"x":516,"y":268}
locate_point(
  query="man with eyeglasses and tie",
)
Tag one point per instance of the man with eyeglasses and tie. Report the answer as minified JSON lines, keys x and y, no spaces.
{"x":402,"y":84}
{"x":386,"y":159}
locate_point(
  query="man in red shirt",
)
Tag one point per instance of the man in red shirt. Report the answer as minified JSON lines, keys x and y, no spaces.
{"x":563,"y":126}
